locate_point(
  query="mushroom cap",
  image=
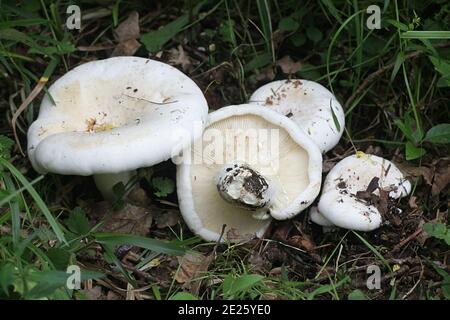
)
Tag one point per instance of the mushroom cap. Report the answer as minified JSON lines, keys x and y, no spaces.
{"x":338,"y":202}
{"x":318,"y":218}
{"x":115,"y":115}
{"x":292,"y":162}
{"x":307,"y":103}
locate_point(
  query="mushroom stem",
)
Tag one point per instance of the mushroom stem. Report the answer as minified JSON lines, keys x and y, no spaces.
{"x":245,"y":187}
{"x":106,"y":181}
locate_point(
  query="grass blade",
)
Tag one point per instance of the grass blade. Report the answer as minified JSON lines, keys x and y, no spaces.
{"x":142,"y":242}
{"x":37,"y":198}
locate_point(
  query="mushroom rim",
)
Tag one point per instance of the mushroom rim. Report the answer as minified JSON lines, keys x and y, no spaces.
{"x":356,"y":220}
{"x":267,"y":90}
{"x":184,"y":183}
{"x":107,"y":158}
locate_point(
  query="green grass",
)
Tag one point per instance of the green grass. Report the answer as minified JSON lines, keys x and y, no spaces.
{"x":393,"y":83}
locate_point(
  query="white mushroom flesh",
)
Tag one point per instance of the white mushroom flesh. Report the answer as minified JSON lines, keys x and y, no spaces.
{"x":339,"y":202}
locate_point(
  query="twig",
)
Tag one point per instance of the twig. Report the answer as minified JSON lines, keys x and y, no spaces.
{"x":407,"y":239}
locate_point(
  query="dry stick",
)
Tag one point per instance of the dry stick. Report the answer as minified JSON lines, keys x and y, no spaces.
{"x":411,"y":237}
{"x":37,"y":89}
{"x":379,"y":72}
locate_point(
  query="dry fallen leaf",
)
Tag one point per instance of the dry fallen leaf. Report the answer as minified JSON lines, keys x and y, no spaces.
{"x":438,"y":177}
{"x":126,"y":34}
{"x":233,"y":236}
{"x":127,"y":48}
{"x":282,"y":231}
{"x":412,"y":202}
{"x":94,"y":293}
{"x":266,"y":75}
{"x":112,"y":296}
{"x":288,"y":66}
{"x":192,"y":266}
{"x":168,"y":219}
{"x":138,"y":197}
{"x":178,"y":57}
{"x":128,"y":29}
{"x":258,"y":263}
{"x":302,"y":242}
{"x":328,"y":165}
{"x":441,"y":176}
{"x":412,"y":171}
{"x":189,"y":265}
{"x":130,"y":219}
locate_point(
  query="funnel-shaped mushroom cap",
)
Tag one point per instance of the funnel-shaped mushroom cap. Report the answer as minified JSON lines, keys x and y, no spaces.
{"x":276,"y":150}
{"x":340,"y":202}
{"x":115,"y":115}
{"x":309,"y":104}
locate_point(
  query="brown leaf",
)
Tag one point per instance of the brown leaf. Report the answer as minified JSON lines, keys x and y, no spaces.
{"x":126,"y":48}
{"x":412,"y":202}
{"x":382,"y":202}
{"x":282,"y":231}
{"x":423,"y":236}
{"x":168,"y":219}
{"x":328,"y":165}
{"x":441,"y":176}
{"x":373,"y":185}
{"x":267,"y":74}
{"x":130,"y":219}
{"x":94,"y":293}
{"x":138,"y":197}
{"x":233,"y":236}
{"x":189,"y":265}
{"x":257,"y":262}
{"x":288,"y":66}
{"x":128,"y":29}
{"x":112,"y":296}
{"x":178,"y":57}
{"x":302,"y":242}
{"x":412,"y":171}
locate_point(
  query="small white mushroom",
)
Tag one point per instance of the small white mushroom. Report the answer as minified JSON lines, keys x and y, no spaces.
{"x":254,"y":165}
{"x":309,"y":104}
{"x":109,"y":117}
{"x":318,"y":218}
{"x":340,"y":204}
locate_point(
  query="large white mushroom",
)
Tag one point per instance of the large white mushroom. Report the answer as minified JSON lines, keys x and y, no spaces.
{"x":109,"y":117}
{"x":309,"y":104}
{"x":251,"y":165}
{"x":344,"y":200}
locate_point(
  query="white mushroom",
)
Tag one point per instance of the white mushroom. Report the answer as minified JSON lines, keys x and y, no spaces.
{"x":309,"y":104}
{"x":252,"y":164}
{"x":318,"y":218}
{"x":109,"y":117}
{"x":342,"y":205}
